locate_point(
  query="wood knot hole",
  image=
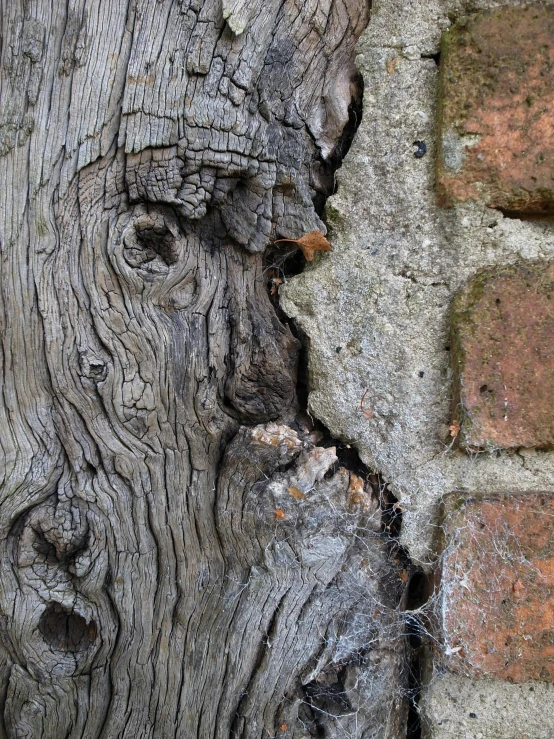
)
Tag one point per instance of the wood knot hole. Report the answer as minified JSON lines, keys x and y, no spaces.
{"x":65,"y":630}
{"x":150,"y":245}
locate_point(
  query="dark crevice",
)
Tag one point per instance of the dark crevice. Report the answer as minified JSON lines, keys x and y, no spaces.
{"x":435,"y":57}
{"x":355,"y":111}
{"x":413,"y":729}
{"x":326,"y":695}
{"x":547,"y":217}
{"x":418,"y":628}
{"x":326,"y":168}
{"x":281,"y":261}
{"x":415,"y":675}
{"x":391,"y":517}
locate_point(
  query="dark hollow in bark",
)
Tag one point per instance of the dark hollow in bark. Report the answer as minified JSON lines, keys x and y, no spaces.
{"x":179,"y":558}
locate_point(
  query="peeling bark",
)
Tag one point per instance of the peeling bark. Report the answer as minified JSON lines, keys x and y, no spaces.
{"x":158,"y":577}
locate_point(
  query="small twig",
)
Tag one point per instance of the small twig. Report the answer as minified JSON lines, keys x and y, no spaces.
{"x":368,"y":412}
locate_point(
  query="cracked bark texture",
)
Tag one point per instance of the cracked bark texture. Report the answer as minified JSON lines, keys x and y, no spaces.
{"x":157,"y":576}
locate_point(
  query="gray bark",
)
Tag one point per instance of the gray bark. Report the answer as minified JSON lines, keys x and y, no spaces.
{"x":178,"y":556}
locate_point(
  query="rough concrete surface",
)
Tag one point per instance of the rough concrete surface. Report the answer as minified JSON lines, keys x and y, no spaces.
{"x":376,"y":311}
{"x":458,"y":708}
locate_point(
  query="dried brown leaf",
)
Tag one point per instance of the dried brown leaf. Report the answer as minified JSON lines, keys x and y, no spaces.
{"x":310,"y":243}
{"x":454,"y":429}
{"x":391,"y":64}
{"x":296,"y":493}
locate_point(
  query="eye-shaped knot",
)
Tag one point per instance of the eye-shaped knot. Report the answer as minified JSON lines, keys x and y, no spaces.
{"x":149,"y":244}
{"x":66,"y":630}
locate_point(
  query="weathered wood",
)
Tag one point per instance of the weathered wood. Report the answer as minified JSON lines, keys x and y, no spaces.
{"x":158,"y":577}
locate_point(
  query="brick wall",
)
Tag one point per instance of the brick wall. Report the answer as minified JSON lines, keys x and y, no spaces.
{"x":496,"y":147}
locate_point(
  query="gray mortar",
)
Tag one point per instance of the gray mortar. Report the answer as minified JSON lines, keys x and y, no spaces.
{"x":384,"y":294}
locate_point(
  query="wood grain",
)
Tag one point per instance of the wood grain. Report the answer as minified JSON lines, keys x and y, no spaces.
{"x":150,"y":152}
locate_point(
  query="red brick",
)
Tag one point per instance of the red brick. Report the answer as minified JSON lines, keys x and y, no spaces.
{"x":503,"y":357}
{"x":497,"y":588}
{"x":496,"y":141}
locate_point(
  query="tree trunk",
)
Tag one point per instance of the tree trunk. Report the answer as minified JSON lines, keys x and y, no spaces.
{"x":179,"y":557}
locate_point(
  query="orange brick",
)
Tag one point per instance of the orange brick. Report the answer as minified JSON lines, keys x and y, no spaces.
{"x":497,"y":587}
{"x":503,"y":357}
{"x":496,"y":141}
